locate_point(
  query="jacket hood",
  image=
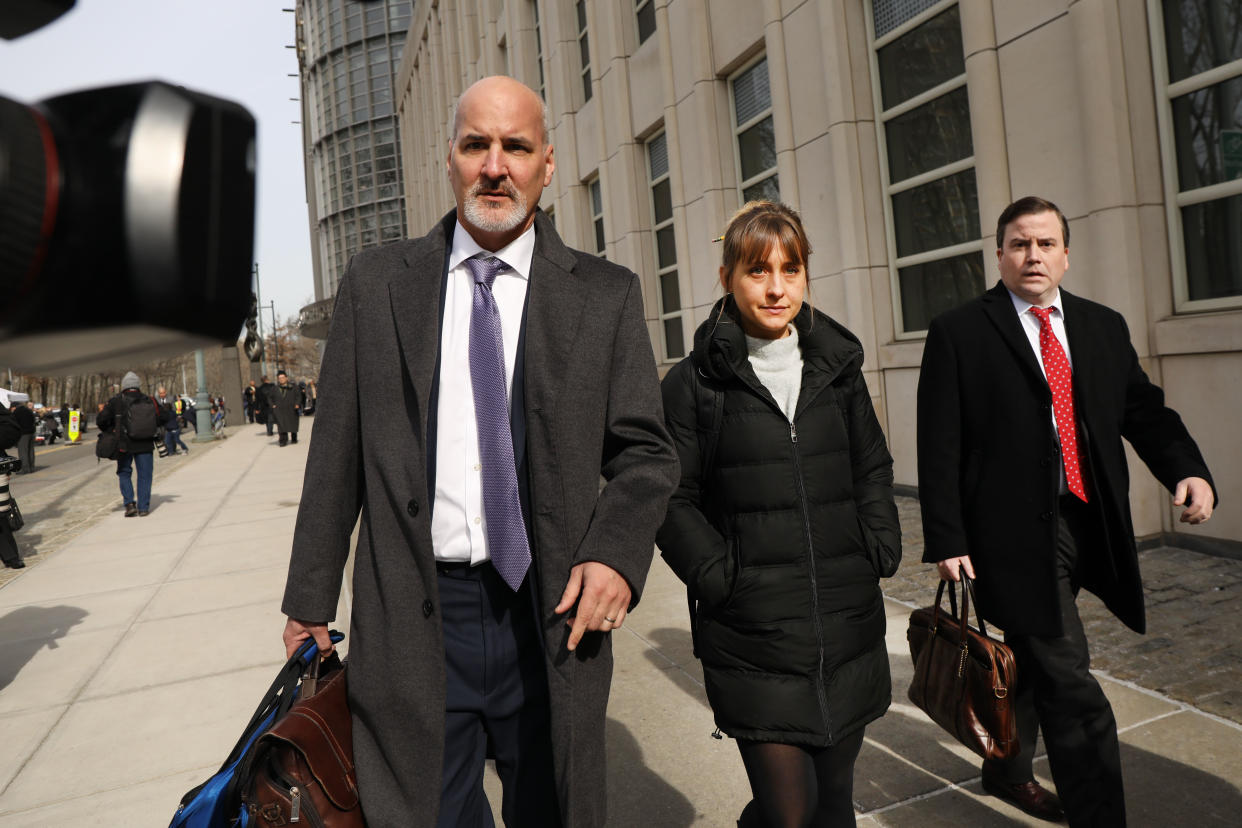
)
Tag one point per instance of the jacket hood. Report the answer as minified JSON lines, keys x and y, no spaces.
{"x":720,"y":350}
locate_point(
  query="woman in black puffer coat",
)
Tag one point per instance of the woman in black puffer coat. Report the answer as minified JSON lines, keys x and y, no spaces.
{"x":782,"y":525}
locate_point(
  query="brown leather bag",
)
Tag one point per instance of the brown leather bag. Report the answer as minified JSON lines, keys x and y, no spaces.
{"x":963,"y":679}
{"x":302,"y":770}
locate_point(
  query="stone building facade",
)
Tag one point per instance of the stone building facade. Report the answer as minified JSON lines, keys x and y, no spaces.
{"x":900,"y":129}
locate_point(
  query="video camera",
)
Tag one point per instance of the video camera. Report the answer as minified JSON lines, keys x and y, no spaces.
{"x":126,"y":220}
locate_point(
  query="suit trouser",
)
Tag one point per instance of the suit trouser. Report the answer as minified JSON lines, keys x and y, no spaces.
{"x":496,"y":702}
{"x":25,"y":451}
{"x":1058,"y":695}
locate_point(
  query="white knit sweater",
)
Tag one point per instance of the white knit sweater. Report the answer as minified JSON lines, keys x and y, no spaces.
{"x":778,"y":365}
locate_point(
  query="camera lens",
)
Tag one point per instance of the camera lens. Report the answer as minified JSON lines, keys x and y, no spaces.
{"x":29,"y":196}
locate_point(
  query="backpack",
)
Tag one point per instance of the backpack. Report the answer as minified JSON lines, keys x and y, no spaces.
{"x":140,"y":418}
{"x":107,"y":445}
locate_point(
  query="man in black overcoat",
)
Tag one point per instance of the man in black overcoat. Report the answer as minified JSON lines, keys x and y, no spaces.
{"x":1024,"y":397}
{"x":263,"y":402}
{"x":286,"y":400}
{"x":477,"y":384}
{"x":24,"y":414}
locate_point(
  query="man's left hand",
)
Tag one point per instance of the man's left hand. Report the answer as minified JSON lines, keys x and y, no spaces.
{"x":1196,"y":495}
{"x":602,"y":596}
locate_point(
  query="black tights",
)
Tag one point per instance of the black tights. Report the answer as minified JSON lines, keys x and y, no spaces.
{"x":800,"y":787}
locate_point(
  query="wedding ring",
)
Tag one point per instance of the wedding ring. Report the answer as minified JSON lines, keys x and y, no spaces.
{"x":610,"y":620}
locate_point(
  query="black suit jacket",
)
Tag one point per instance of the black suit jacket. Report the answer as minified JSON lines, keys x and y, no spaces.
{"x":989,"y":460}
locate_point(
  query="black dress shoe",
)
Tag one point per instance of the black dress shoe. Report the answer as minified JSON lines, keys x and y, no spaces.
{"x":1030,"y":797}
{"x":18,"y":564}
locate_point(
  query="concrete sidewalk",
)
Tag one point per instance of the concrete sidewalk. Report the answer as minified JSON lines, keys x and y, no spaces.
{"x":131,"y":657}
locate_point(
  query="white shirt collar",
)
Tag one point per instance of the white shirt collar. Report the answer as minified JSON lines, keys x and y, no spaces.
{"x":517,"y":254}
{"x":1022,"y":306}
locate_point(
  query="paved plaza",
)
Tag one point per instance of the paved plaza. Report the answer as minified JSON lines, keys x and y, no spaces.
{"x":132,"y":651}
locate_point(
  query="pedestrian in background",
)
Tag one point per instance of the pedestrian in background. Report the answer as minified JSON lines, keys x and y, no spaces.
{"x":309,"y":398}
{"x":248,"y":401}
{"x":1023,"y":399}
{"x":172,"y":429}
{"x":189,"y":417}
{"x":286,"y":408}
{"x":25,"y":417}
{"x":10,"y":433}
{"x":50,"y":425}
{"x":263,"y":396}
{"x":135,"y":416}
{"x":783,"y":529}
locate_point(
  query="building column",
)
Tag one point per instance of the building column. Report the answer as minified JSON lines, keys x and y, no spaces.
{"x":782,"y":107}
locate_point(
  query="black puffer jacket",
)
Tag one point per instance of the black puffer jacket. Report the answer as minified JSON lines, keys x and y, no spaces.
{"x":784,"y":540}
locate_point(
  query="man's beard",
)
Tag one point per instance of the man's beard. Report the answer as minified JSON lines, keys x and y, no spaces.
{"x":495,"y":219}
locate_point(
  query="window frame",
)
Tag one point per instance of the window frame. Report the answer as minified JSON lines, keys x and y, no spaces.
{"x":582,"y":40}
{"x":889,"y":189}
{"x":537,"y":24}
{"x":639,"y":6}
{"x":738,"y":129}
{"x":1174,"y":198}
{"x":657,"y":225}
{"x":597,"y":231}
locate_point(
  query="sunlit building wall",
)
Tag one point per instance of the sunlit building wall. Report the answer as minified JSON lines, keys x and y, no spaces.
{"x":900,"y":129}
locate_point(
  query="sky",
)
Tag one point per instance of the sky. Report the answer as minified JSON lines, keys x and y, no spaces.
{"x":233,"y":49}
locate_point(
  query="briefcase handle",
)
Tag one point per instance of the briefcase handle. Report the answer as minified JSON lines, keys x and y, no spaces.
{"x":968,"y":594}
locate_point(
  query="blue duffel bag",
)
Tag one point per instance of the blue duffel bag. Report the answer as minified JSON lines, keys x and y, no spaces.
{"x":216,"y":803}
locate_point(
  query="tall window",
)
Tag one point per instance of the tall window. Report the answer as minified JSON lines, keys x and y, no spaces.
{"x":1199,"y":67}
{"x":932,"y":205}
{"x":584,"y":50}
{"x":752,"y":125}
{"x":666,"y":248}
{"x":543,"y":89}
{"x":644,"y":10}
{"x":597,"y":214}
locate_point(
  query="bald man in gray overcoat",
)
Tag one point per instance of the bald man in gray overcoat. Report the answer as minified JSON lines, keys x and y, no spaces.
{"x":490,"y":570}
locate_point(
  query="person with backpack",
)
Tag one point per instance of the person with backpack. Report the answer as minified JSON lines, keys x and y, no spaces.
{"x":782,"y":525}
{"x":134,"y":418}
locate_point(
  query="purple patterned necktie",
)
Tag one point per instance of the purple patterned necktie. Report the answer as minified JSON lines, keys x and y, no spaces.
{"x":506,"y":531}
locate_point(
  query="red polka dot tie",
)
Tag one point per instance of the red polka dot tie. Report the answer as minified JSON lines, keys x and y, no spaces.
{"x":1061,"y":383}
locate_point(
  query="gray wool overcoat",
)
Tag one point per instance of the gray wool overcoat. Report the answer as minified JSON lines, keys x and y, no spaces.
{"x":592,"y":407}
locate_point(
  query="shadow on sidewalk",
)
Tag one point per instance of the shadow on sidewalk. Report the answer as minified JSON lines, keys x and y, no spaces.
{"x":906,"y":756}
{"x":636,"y":794}
{"x":27,"y":630}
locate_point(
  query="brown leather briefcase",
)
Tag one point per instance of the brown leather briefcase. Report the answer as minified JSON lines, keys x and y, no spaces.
{"x":964,"y":679}
{"x":302,"y":771}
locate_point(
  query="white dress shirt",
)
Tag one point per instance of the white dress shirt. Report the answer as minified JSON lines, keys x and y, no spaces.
{"x":1031,"y":326}
{"x":457,"y":521}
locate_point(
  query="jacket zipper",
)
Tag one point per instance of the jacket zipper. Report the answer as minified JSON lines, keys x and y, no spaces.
{"x":820,"y":692}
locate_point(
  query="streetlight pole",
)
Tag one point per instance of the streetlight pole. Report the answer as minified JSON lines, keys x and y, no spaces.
{"x":258,"y":298}
{"x":275,"y":333}
{"x":202,"y":412}
{"x":271,"y":306}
